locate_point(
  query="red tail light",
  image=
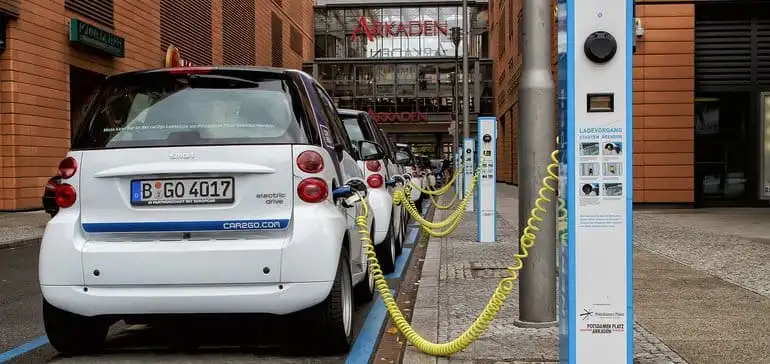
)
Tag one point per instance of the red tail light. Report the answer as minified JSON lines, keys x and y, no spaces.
{"x":310,"y":162}
{"x":68,"y":167}
{"x":375,"y":181}
{"x":65,"y":195}
{"x":313,"y":190}
{"x":373,"y":166}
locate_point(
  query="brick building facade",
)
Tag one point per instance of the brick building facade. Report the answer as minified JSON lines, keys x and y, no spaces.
{"x":58,"y":51}
{"x":664,"y":87}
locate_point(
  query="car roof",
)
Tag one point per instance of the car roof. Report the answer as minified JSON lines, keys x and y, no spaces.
{"x":262,"y":69}
{"x":350,"y":112}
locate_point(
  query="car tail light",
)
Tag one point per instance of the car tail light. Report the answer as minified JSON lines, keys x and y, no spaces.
{"x":310,"y":162}
{"x":68,"y":167}
{"x":373,"y":166}
{"x":313,"y":190}
{"x":65,"y":195}
{"x":375,"y":181}
{"x":189,"y":70}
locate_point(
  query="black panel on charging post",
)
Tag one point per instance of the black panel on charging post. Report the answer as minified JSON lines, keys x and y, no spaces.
{"x":604,"y":102}
{"x":600,"y":47}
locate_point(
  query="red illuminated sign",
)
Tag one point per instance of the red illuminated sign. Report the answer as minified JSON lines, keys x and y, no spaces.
{"x":397,"y":117}
{"x":398,"y":29}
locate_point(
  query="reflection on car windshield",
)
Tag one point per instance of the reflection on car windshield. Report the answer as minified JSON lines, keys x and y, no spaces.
{"x":171,"y":113}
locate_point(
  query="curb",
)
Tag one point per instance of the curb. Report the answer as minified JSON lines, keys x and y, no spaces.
{"x":19,"y":243}
{"x":426,"y":309}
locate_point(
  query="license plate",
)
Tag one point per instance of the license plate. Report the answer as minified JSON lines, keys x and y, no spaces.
{"x":183,"y":191}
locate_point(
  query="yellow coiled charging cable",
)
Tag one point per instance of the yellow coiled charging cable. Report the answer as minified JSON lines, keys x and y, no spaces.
{"x":503,"y":290}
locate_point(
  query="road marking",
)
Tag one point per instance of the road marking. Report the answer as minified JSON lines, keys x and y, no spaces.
{"x":411,"y":238}
{"x":23,"y":348}
{"x":400,"y":264}
{"x":368,"y":338}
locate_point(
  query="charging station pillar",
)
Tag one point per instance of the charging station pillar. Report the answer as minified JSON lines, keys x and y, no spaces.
{"x":469,"y":156}
{"x":487,"y":209}
{"x":459,"y":190}
{"x":596,"y":250}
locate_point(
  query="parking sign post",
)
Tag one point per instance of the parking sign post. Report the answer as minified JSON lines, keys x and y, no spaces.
{"x":595,"y":232}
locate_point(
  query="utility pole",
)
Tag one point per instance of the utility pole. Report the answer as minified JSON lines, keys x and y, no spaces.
{"x":537,"y":279}
{"x":466,"y":108}
{"x":456,"y":33}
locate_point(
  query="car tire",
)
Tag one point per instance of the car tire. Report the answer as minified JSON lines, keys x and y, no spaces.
{"x":386,"y":252}
{"x":71,"y":334}
{"x":401,"y":237}
{"x":364,"y":291}
{"x":331,"y":332}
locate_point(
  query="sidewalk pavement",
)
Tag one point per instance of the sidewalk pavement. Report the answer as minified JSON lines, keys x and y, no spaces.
{"x":21,"y":228}
{"x":691,"y":306}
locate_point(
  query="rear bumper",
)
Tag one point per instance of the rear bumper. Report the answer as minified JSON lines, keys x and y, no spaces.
{"x":268,"y":299}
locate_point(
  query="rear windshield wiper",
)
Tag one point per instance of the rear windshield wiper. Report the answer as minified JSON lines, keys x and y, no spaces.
{"x":219,"y":81}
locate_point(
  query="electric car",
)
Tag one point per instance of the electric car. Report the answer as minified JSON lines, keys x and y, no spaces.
{"x":417,"y":176}
{"x":399,"y":167}
{"x":207,"y":190}
{"x":380,"y":176}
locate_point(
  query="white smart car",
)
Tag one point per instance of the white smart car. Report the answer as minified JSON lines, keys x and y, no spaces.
{"x":207,"y":191}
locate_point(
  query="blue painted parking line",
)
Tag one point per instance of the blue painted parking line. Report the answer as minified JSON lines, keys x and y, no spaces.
{"x":366,"y":341}
{"x":400,"y":264}
{"x":411,"y":238}
{"x":23,"y":348}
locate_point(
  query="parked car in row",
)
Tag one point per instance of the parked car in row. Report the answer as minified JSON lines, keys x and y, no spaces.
{"x":213,"y":190}
{"x":390,"y":230}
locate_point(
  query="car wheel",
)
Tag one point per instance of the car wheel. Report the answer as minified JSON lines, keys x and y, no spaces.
{"x":332,"y":320}
{"x":386,"y":252}
{"x":364,"y":291}
{"x":69,"y":333}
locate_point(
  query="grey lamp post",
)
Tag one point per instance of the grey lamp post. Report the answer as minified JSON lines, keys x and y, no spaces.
{"x":456,"y":33}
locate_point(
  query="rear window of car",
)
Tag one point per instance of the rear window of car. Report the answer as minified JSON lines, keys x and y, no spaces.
{"x":158,"y":109}
{"x":355,"y":132}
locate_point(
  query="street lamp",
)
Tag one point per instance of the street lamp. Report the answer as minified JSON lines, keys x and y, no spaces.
{"x":456,"y":33}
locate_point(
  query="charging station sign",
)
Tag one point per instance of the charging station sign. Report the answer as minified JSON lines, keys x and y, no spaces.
{"x":487,"y":141}
{"x":595,"y":54}
{"x":470,"y":168}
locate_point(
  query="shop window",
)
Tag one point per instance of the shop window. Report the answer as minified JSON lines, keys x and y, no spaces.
{"x":343,"y":80}
{"x":238,"y":32}
{"x":385,"y":76}
{"x":406,"y":77}
{"x":487,"y":106}
{"x":446,"y":79}
{"x":320,"y":46}
{"x":100,"y":11}
{"x":193,"y":38}
{"x":364,"y":79}
{"x":276,"y":29}
{"x":427,"y":81}
{"x":295,"y":39}
{"x":326,"y":77}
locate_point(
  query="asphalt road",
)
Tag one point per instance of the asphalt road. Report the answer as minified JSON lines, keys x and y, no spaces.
{"x":234,"y":341}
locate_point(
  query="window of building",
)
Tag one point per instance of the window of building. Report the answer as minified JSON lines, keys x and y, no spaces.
{"x":343,"y":80}
{"x":406,"y":77}
{"x":385,"y":76}
{"x":276,"y":30}
{"x":295,"y":39}
{"x":192,"y":38}
{"x":364,"y":80}
{"x":427,"y":80}
{"x":100,"y":11}
{"x":238,"y":32}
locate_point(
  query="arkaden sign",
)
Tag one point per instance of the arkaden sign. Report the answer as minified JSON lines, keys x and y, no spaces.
{"x":397,"y":117}
{"x":384,"y":29}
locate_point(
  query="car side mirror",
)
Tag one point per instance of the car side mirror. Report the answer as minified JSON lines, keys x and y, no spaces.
{"x":369,"y":151}
{"x":403,"y":158}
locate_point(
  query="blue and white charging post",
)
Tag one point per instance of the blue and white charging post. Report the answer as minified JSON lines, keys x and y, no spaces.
{"x":487,"y":203}
{"x":459,"y":189}
{"x":595,"y":80}
{"x":469,"y":156}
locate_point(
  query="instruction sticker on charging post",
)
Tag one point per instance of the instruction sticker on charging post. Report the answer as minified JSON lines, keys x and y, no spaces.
{"x":469,"y":158}
{"x":595,"y":55}
{"x":487,"y":141}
